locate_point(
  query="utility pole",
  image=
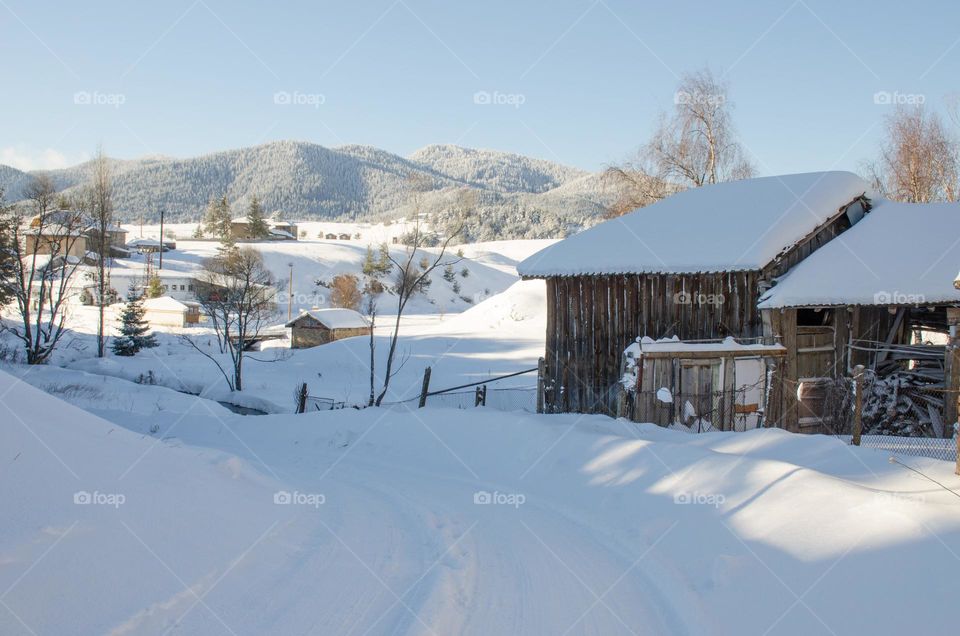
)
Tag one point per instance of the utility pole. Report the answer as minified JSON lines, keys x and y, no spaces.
{"x":161,"y":239}
{"x":290,"y":295}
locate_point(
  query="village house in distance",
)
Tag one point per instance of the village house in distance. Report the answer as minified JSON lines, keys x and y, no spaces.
{"x":747,"y":298}
{"x":320,"y":326}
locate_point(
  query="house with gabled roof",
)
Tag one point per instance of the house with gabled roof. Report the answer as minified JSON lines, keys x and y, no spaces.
{"x":320,"y":326}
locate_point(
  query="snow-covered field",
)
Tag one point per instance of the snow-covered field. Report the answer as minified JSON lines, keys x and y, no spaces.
{"x":153,"y":511}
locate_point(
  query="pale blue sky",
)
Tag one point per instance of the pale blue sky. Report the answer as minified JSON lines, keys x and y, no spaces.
{"x":200,"y":76}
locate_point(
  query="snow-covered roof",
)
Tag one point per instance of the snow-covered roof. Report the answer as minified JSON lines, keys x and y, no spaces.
{"x":899,"y":254}
{"x":335,"y":318}
{"x":165,"y":303}
{"x":735,"y":226}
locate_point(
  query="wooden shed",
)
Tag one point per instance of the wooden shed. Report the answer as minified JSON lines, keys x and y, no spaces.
{"x":883,"y":297}
{"x":320,"y":326}
{"x":692,"y":266}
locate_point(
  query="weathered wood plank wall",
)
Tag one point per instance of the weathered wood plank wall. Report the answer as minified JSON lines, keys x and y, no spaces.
{"x":592,"y":319}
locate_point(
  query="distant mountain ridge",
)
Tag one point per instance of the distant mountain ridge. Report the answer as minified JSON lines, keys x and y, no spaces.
{"x":307,"y":181}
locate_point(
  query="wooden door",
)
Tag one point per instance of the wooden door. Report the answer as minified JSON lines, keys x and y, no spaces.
{"x":816,"y":368}
{"x":696,"y":386}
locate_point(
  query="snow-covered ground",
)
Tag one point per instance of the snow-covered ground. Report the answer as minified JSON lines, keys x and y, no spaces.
{"x":154,"y":511}
{"x":456,"y":522}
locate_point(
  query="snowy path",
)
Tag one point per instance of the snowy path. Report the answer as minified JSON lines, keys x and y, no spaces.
{"x":417,"y":556}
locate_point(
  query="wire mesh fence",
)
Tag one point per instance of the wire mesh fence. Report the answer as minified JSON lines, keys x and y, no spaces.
{"x":932,"y":447}
{"x":904,"y":420}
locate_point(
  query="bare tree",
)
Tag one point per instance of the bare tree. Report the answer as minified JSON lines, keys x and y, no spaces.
{"x":47,"y":246}
{"x":918,"y":160}
{"x":694,"y":145}
{"x":236,"y":291}
{"x":413,"y":270}
{"x":101,"y":212}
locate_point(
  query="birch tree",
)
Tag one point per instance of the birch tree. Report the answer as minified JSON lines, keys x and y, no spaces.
{"x":693,"y":145}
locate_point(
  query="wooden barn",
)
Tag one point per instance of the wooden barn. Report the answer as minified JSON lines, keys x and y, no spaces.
{"x":692,"y":266}
{"x":320,"y":326}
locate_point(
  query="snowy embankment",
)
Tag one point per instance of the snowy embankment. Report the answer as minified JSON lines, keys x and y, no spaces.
{"x":474,"y":522}
{"x":501,"y":335}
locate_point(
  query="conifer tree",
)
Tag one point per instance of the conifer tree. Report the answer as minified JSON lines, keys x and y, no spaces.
{"x":257,"y":227}
{"x":217,"y":221}
{"x":134,"y":329}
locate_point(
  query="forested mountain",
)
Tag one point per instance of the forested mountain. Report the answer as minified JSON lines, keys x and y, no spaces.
{"x":515,"y":196}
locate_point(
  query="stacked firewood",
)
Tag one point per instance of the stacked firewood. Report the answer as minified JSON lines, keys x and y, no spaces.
{"x":905,"y":403}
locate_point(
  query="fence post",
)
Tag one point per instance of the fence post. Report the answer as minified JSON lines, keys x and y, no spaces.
{"x":541,"y":372}
{"x":302,"y":398}
{"x":424,"y":388}
{"x":857,"y":404}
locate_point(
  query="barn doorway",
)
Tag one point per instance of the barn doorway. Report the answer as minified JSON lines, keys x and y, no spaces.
{"x":816,"y":368}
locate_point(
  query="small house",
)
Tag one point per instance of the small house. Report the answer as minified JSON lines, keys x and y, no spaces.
{"x":320,"y":326}
{"x":169,"y":312}
{"x":344,"y":236}
{"x":330,"y":236}
{"x":283,"y":230}
{"x":70,"y":232}
{"x":276,"y":230}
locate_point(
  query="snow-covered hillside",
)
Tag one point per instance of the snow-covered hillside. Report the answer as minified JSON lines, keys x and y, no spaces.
{"x":457,"y":522}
